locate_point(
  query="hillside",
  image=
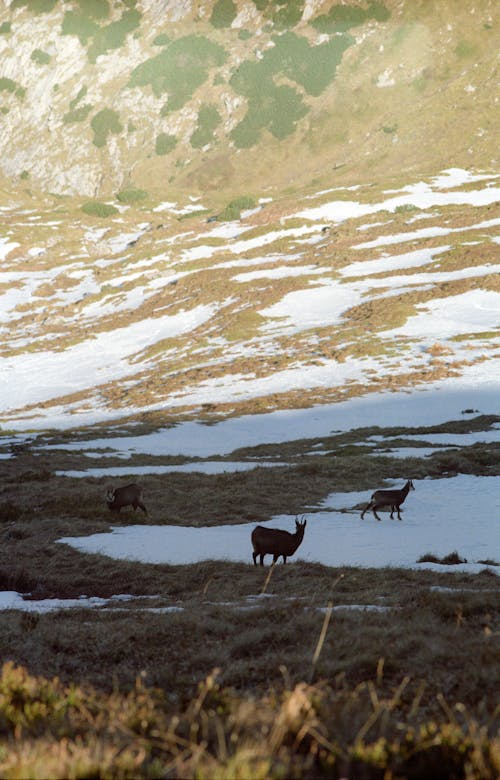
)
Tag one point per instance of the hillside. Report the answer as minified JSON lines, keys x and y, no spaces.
{"x":225,"y":98}
{"x":211,"y":209}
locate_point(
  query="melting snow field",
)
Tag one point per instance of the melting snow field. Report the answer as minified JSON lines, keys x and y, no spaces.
{"x":441,"y":516}
{"x":116,"y":271}
{"x":477,"y":390}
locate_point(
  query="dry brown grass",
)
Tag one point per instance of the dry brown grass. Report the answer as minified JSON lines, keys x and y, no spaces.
{"x":406,"y":688}
{"x":390,"y":693}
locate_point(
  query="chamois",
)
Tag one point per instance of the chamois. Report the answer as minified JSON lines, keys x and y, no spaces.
{"x":392,"y":498}
{"x":275,"y":542}
{"x":129,"y":495}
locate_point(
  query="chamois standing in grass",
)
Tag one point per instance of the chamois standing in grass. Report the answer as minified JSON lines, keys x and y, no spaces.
{"x":276,"y":542}
{"x":128,"y":495}
{"x":392,"y":498}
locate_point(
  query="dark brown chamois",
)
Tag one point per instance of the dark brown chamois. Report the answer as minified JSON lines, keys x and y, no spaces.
{"x":128,"y":495}
{"x":392,"y":498}
{"x":275,"y":542}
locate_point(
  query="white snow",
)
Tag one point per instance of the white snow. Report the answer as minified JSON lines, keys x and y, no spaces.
{"x":430,"y":232}
{"x":10,"y":599}
{"x":441,"y":516}
{"x":201,"y":467}
{"x":311,"y":308}
{"x":326,"y":293}
{"x":386,"y":263}
{"x":470,"y":312}
{"x":105,"y":357}
{"x":439,"y":402}
{"x":420,"y":195}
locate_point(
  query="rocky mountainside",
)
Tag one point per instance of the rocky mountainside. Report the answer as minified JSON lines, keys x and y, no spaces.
{"x":226,"y":97}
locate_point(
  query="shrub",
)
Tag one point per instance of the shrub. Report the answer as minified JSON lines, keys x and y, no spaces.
{"x":235,"y":207}
{"x":95,"y":208}
{"x":131,"y":196}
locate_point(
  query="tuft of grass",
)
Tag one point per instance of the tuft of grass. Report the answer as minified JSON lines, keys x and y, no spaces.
{"x":452,"y":559}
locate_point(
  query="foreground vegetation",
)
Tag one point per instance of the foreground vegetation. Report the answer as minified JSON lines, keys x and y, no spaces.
{"x":226,"y":670}
{"x":237,"y":686}
{"x":323,"y":730}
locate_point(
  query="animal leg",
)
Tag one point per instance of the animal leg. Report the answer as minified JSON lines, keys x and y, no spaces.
{"x":275,"y":558}
{"x":254,"y":556}
{"x":392,"y":509}
{"x":399,"y":516}
{"x":284,"y":559}
{"x":374,"y":512}
{"x":262,"y":559}
{"x":367,"y":507}
{"x":141,"y":505}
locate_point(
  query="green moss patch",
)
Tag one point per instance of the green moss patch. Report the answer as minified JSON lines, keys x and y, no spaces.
{"x":131,"y":196}
{"x":34,"y":6}
{"x":78,"y":114}
{"x":282,"y":14}
{"x":113,"y":35}
{"x":165,"y":143}
{"x":8,"y":85}
{"x":84,"y":23}
{"x":40,"y":57}
{"x":103,"y":123}
{"x":278,"y":108}
{"x":343,"y":17}
{"x":208,"y":119}
{"x":223,"y":14}
{"x":180,"y":69}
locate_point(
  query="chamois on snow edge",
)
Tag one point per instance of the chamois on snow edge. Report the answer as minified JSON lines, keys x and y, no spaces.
{"x":275,"y":542}
{"x":392,"y":498}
